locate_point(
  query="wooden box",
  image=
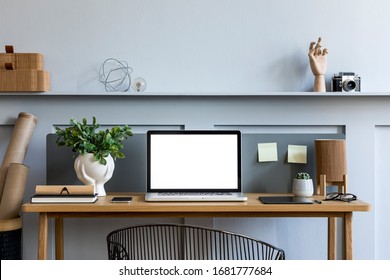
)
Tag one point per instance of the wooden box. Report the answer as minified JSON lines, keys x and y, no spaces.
{"x":24,"y":80}
{"x":22,"y":61}
{"x":22,"y":72}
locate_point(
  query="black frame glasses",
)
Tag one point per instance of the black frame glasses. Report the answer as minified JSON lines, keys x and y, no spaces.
{"x":346,"y":197}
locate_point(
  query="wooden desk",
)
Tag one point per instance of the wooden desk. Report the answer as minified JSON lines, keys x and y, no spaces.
{"x":141,"y":209}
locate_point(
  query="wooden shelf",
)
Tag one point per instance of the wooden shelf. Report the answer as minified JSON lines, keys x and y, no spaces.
{"x":205,"y":94}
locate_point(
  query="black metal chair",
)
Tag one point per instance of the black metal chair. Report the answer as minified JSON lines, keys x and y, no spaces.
{"x":185,"y":242}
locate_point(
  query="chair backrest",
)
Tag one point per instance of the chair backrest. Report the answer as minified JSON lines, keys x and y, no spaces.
{"x":185,"y":242}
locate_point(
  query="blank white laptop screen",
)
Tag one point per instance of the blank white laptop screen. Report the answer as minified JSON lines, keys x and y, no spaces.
{"x":194,"y":161}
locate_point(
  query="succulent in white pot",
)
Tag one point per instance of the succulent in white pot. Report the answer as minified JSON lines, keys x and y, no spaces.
{"x":303,"y":185}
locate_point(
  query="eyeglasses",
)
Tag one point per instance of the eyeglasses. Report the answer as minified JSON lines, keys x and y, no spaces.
{"x":346,"y":197}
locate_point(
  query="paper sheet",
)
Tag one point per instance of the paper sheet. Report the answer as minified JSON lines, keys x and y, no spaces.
{"x":267,"y":152}
{"x":297,"y":154}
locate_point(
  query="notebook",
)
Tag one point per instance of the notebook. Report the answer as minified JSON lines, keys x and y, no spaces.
{"x":200,"y":165}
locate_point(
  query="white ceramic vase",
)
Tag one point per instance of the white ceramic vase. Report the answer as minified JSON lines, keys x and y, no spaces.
{"x":90,"y":171}
{"x":303,"y":187}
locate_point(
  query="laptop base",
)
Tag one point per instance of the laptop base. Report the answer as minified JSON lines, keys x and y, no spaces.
{"x":195,"y":197}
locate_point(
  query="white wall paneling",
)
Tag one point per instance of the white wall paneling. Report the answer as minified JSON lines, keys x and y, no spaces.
{"x":382,"y":191}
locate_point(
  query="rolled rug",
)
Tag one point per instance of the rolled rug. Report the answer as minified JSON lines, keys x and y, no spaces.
{"x":20,"y":139}
{"x":18,"y":144}
{"x":13,"y":192}
{"x":3,"y":176}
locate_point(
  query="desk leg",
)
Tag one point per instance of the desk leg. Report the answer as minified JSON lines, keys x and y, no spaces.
{"x":59,"y":237}
{"x":348,"y":235}
{"x":332,"y":238}
{"x":42,"y":236}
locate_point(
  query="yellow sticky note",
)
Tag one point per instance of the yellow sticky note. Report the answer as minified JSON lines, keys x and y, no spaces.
{"x":267,"y":152}
{"x":297,"y":154}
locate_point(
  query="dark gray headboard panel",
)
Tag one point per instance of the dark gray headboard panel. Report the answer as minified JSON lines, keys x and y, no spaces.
{"x":277,"y":176}
{"x":130,"y":173}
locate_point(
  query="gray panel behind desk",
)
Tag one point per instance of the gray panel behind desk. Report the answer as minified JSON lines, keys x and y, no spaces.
{"x":130,"y":172}
{"x":277,"y":176}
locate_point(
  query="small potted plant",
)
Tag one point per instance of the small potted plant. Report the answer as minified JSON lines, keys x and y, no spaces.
{"x":303,"y":185}
{"x":96,"y":149}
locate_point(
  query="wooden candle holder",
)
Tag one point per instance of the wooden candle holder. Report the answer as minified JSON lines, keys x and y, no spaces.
{"x":331,"y":165}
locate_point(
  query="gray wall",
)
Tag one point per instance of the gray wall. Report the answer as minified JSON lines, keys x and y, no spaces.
{"x":200,"y":47}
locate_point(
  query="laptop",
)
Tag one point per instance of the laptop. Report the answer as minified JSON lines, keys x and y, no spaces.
{"x":194,"y":165}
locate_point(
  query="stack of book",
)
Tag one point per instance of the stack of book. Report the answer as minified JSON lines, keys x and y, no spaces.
{"x":64,"y":194}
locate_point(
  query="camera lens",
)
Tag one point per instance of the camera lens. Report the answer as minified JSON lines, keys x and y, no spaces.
{"x":349,"y":85}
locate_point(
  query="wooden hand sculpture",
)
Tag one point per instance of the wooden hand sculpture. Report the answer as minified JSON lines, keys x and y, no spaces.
{"x":318,"y":64}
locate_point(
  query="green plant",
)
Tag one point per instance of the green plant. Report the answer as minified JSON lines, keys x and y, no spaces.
{"x":302,"y":175}
{"x":84,"y":138}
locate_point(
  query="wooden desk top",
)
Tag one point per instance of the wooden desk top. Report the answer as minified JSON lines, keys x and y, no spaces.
{"x":251,"y":208}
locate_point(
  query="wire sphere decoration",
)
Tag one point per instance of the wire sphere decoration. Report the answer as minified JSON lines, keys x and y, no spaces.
{"x":115,"y":75}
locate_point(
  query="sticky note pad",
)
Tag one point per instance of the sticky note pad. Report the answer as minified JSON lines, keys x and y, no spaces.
{"x":267,"y":152}
{"x":297,"y":154}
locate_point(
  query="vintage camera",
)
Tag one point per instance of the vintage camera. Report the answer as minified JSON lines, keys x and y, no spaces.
{"x":346,"y":82}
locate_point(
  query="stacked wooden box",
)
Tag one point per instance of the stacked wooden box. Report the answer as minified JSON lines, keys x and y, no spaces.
{"x":22,"y":72}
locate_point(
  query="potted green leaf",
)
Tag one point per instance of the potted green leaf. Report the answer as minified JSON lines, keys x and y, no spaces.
{"x":303,"y":185}
{"x":96,"y":149}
